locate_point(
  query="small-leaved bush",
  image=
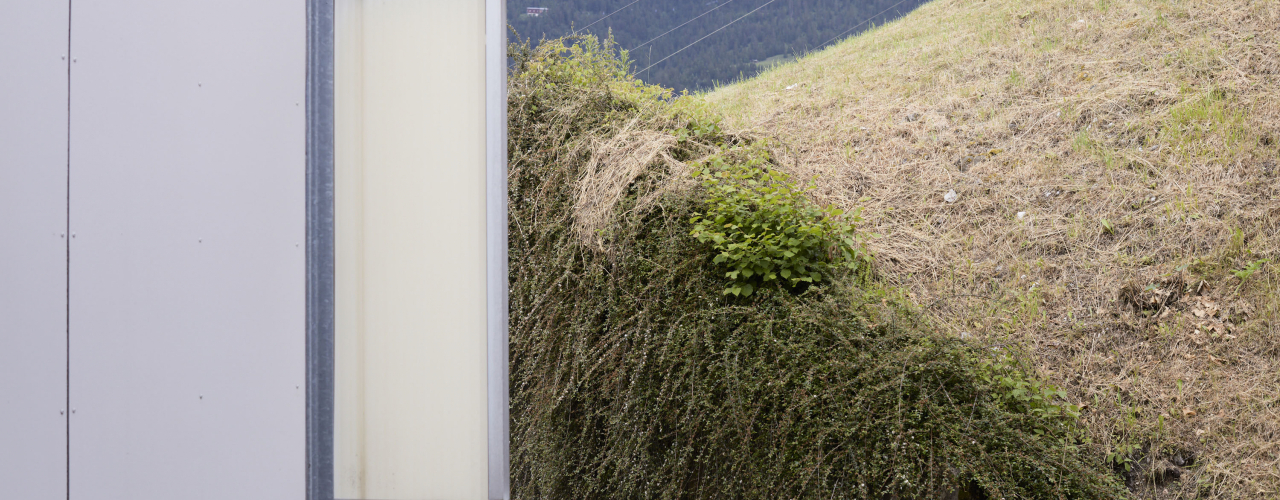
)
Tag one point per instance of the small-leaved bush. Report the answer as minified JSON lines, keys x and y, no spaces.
{"x":632,"y":376}
{"x":1021,"y":393}
{"x":765,"y":230}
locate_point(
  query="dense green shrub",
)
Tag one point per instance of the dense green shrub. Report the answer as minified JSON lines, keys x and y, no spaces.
{"x":1020,"y":393}
{"x":634,"y":376}
{"x":764,"y":229}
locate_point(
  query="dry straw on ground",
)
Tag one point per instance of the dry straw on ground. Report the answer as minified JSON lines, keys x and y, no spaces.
{"x":1117,"y":165}
{"x":614,"y":167}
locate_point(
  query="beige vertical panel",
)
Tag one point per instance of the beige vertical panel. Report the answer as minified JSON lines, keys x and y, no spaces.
{"x":411,"y":414}
{"x":349,"y":381}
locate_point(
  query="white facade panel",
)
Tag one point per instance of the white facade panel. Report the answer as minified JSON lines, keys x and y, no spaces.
{"x":411,"y":416}
{"x":188,"y":269}
{"x":33,"y":258}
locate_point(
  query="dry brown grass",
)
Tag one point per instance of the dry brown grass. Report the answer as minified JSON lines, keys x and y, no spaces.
{"x":614,"y":166}
{"x":1159,"y":117}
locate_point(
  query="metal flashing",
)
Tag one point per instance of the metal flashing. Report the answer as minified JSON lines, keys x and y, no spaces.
{"x":320,"y":250}
{"x":496,"y":262}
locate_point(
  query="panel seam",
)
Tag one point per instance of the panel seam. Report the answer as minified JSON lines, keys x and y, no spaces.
{"x":66,"y":237}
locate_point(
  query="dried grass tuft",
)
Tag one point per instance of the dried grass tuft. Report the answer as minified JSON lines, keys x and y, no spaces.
{"x":616,"y":164}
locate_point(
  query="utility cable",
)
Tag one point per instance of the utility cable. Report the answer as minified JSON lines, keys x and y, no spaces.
{"x":682,"y":25}
{"x":695,"y":42}
{"x":606,"y":16}
{"x":864,"y":21}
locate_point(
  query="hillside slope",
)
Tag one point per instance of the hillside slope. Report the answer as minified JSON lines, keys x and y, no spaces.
{"x":1116,"y":202}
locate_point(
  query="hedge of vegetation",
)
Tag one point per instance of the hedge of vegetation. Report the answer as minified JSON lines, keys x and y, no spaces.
{"x":635,"y":375}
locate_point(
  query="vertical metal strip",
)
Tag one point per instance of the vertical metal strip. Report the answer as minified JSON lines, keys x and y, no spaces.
{"x":66,"y":239}
{"x":320,"y":250}
{"x":496,"y":227}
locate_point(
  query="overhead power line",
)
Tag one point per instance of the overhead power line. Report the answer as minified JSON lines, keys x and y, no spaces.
{"x":682,"y":25}
{"x":864,"y":21}
{"x":606,"y":16}
{"x":695,"y":42}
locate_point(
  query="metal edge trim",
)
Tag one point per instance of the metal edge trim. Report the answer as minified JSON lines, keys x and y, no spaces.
{"x":496,"y":259}
{"x":320,"y":250}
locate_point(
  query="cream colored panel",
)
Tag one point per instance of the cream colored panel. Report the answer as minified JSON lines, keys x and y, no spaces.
{"x":411,"y":409}
{"x":349,"y":380}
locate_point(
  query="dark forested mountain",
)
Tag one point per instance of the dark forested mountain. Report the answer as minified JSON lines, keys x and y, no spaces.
{"x":778,"y":29}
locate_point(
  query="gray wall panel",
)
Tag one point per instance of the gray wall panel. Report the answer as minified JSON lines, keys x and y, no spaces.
{"x":188,"y":271}
{"x":33,"y":201}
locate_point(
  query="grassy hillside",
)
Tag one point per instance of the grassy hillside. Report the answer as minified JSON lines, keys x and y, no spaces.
{"x":1115,"y":209}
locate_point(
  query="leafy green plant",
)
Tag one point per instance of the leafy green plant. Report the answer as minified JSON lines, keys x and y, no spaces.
{"x":765,"y":230}
{"x":698,"y":129}
{"x":1127,"y":437}
{"x":1108,"y":227}
{"x":1249,"y":269}
{"x":1122,"y":456}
